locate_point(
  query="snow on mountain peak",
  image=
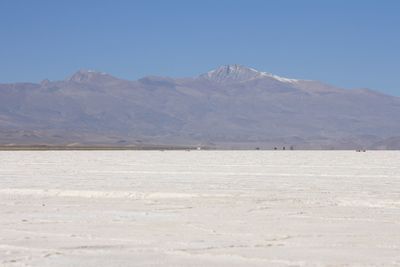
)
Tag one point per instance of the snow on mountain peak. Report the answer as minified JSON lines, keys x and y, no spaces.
{"x":279,"y":78}
{"x":239,"y":73}
{"x":231,"y":73}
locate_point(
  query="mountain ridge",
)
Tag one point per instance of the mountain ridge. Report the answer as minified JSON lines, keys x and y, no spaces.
{"x":232,"y":106}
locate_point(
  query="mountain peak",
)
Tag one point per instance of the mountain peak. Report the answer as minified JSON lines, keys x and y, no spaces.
{"x":240,"y":73}
{"x":231,"y":73}
{"x":83,"y":75}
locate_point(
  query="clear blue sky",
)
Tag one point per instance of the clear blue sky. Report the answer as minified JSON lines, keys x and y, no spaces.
{"x":352,"y":44}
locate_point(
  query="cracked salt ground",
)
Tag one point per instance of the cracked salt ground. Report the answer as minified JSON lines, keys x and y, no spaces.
{"x":199,"y":208}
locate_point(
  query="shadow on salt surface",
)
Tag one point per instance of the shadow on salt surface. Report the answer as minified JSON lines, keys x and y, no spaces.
{"x":101,"y":194}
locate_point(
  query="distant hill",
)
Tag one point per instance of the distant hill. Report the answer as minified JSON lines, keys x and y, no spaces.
{"x":230,"y":107}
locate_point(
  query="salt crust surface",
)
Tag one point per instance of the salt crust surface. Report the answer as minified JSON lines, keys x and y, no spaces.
{"x":199,"y":208}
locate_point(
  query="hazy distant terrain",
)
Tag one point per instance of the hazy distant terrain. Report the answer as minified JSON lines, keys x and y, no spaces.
{"x":230,"y":107}
{"x":199,"y":208}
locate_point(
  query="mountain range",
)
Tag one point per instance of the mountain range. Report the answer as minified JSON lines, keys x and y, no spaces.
{"x":232,"y":106}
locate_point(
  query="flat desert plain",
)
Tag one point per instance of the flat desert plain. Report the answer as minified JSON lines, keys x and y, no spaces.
{"x":199,"y":208}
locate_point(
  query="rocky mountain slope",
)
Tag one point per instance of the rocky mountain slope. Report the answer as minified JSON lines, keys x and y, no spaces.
{"x":230,"y":107}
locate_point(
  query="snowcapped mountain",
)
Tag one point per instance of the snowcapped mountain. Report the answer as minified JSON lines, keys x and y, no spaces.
{"x":239,"y":73}
{"x":232,"y":106}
